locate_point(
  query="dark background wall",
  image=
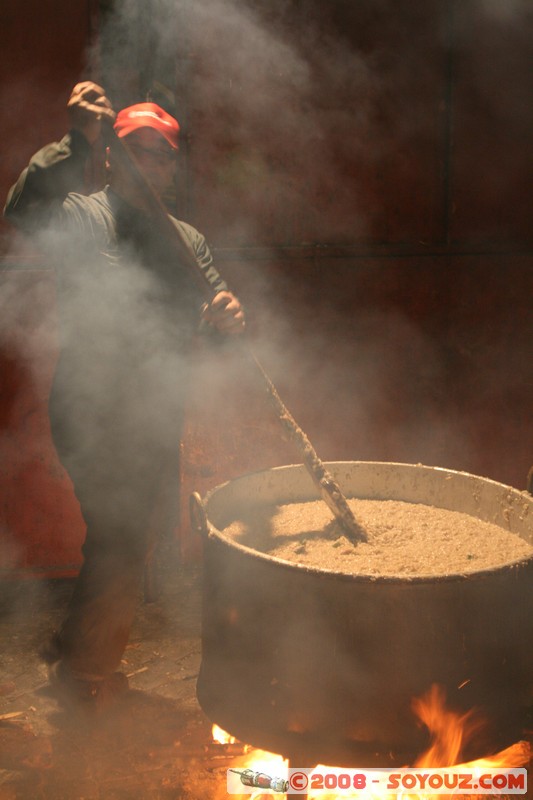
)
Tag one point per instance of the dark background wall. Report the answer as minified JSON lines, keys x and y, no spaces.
{"x":363,"y":173}
{"x":42,"y":55}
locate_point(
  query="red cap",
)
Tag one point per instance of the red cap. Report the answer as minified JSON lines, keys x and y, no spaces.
{"x":147,"y":115}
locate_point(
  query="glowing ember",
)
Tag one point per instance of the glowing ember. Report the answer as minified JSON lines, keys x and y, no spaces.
{"x":221,"y":736}
{"x":450,"y":733}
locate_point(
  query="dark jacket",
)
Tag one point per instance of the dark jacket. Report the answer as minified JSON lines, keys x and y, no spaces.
{"x":127,"y":309}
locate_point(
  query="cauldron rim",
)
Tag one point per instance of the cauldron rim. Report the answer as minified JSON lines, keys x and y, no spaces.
{"x":389,"y":580}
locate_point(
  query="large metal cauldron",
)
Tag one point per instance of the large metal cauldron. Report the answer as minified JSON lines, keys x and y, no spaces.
{"x":322,"y":667}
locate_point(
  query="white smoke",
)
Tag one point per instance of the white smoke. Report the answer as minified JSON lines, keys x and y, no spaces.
{"x":282,"y":96}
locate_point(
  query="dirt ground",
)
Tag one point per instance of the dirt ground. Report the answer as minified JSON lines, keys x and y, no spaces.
{"x":157,"y":744}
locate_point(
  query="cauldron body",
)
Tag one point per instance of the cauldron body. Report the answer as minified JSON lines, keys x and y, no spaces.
{"x":322,"y":667}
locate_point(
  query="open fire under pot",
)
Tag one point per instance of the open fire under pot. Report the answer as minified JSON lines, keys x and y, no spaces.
{"x":323,"y":667}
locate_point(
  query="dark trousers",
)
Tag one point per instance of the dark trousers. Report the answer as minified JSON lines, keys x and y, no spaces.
{"x":115,"y":467}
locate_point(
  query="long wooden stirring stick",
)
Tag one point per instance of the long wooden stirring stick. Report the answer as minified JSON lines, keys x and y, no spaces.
{"x":324,"y":481}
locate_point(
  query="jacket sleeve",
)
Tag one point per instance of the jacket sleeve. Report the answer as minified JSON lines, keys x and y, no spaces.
{"x":203,"y":256}
{"x":52,"y":173}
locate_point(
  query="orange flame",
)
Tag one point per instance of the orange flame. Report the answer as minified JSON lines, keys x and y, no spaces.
{"x":221,"y":736}
{"x":450,"y":733}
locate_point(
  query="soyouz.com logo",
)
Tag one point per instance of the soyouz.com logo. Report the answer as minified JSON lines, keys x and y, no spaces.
{"x":456,"y":780}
